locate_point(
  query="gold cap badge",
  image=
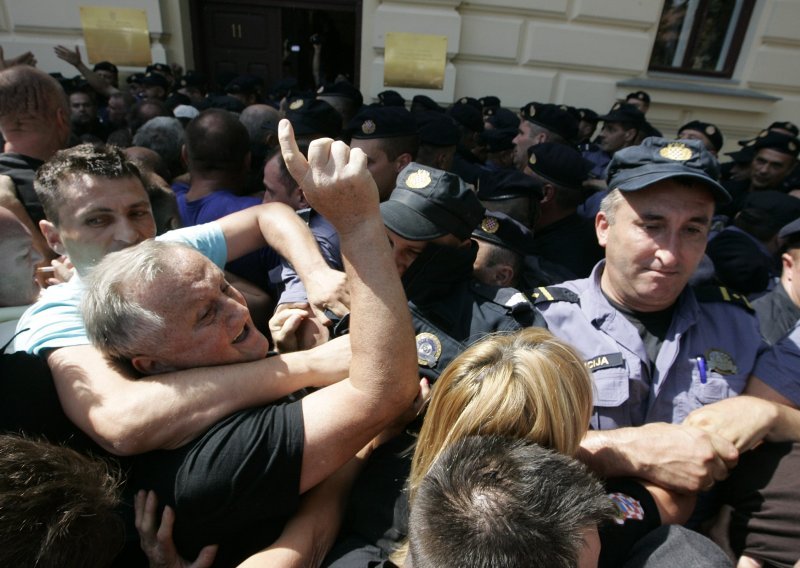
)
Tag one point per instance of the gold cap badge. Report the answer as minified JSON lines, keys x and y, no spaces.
{"x":710,"y":130}
{"x":490,"y":225}
{"x":296,"y":104}
{"x":420,"y":179}
{"x":675,"y":151}
{"x":368,"y":127}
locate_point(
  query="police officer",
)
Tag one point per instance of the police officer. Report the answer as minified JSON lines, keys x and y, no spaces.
{"x":562,"y":236}
{"x":779,"y":309}
{"x":656,"y":349}
{"x":429,"y":218}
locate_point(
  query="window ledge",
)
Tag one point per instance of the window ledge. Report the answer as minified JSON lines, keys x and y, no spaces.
{"x":694,"y":93}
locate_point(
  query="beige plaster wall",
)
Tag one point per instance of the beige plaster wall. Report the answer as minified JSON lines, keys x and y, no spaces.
{"x":577,"y":51}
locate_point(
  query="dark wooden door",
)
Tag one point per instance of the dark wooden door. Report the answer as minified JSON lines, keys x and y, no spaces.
{"x":271,"y":38}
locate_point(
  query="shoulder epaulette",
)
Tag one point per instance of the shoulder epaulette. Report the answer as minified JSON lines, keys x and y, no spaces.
{"x":544,"y":294}
{"x":722,"y":294}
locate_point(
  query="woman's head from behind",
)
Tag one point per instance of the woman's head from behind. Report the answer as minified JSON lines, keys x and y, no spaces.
{"x":524,"y":385}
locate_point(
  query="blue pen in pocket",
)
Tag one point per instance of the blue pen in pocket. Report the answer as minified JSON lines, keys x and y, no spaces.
{"x":701,"y":368}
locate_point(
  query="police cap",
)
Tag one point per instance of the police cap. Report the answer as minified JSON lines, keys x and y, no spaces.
{"x":437,"y":129}
{"x":314,"y":116}
{"x":508,"y":183}
{"x":779,"y":142}
{"x":501,"y":118}
{"x":391,"y":98}
{"x":467,"y":115}
{"x":343,"y":89}
{"x":382,"y":122}
{"x":552,"y":117}
{"x":423,"y":102}
{"x":707,"y":129}
{"x":501,"y":230}
{"x":656,"y":159}
{"x":624,"y":113}
{"x":428,"y":203}
{"x":559,"y":163}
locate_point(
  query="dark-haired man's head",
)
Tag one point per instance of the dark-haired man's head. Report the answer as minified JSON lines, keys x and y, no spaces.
{"x":491,"y":501}
{"x":217,"y":142}
{"x":59,"y":507}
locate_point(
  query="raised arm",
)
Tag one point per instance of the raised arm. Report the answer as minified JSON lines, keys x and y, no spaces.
{"x":73,"y":57}
{"x":341,"y":419}
{"x":277,"y":225}
{"x":128,"y":416}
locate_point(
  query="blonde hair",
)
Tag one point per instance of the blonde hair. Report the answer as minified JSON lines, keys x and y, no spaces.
{"x":527,"y":385}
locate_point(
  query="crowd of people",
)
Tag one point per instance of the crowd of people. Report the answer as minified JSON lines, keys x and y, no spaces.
{"x":251,"y":327}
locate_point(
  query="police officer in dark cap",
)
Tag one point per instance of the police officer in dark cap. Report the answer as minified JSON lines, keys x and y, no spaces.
{"x":342,"y":96}
{"x":656,"y":348}
{"x":745,"y":253}
{"x":430,"y":218}
{"x":154,"y":86}
{"x":195,"y":86}
{"x":501,"y":119}
{"x":467,"y":114}
{"x":489,"y":102}
{"x":246,"y":88}
{"x":388,"y":136}
{"x":562,"y":236}
{"x":587,"y":124}
{"x":503,"y":244}
{"x":499,"y":148}
{"x":511,"y":192}
{"x":543,"y":123}
{"x":707,"y":133}
{"x":438,"y":138}
{"x":774,"y":159}
{"x":391,"y":98}
{"x":312,"y":119}
{"x":639,"y":99}
{"x":779,"y":310}
{"x":423,"y":103}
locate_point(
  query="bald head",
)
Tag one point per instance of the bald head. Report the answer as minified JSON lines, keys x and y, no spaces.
{"x":18,"y":258}
{"x":34,"y":112}
{"x":260,"y":121}
{"x":216,"y":141}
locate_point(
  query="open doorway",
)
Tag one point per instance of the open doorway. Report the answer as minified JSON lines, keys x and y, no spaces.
{"x":277,"y":40}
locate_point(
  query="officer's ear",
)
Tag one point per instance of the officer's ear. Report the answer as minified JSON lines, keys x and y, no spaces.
{"x":788,"y":263}
{"x":601,"y":227}
{"x":185,"y":156}
{"x":402,"y":161}
{"x":630,"y":135}
{"x":503,"y":275}
{"x":548,"y":193}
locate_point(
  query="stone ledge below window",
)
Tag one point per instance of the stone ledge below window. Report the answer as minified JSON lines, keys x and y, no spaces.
{"x":693,"y":93}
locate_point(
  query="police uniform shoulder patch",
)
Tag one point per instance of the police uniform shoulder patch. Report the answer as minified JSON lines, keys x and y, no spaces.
{"x":429,"y":349}
{"x":722,"y":294}
{"x":628,"y":508}
{"x":543,"y":295}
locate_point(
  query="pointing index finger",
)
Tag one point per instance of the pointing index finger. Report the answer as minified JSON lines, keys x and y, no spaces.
{"x":296,"y":163}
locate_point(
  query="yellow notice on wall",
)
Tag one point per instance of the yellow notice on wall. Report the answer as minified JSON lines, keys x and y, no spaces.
{"x":118,"y":35}
{"x":414,"y":60}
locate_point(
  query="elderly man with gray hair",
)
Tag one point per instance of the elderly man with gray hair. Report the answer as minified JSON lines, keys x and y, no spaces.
{"x":219,"y":484}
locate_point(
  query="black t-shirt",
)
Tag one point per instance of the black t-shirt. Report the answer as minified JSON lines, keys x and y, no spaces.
{"x":235,"y":486}
{"x":652,"y":327}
